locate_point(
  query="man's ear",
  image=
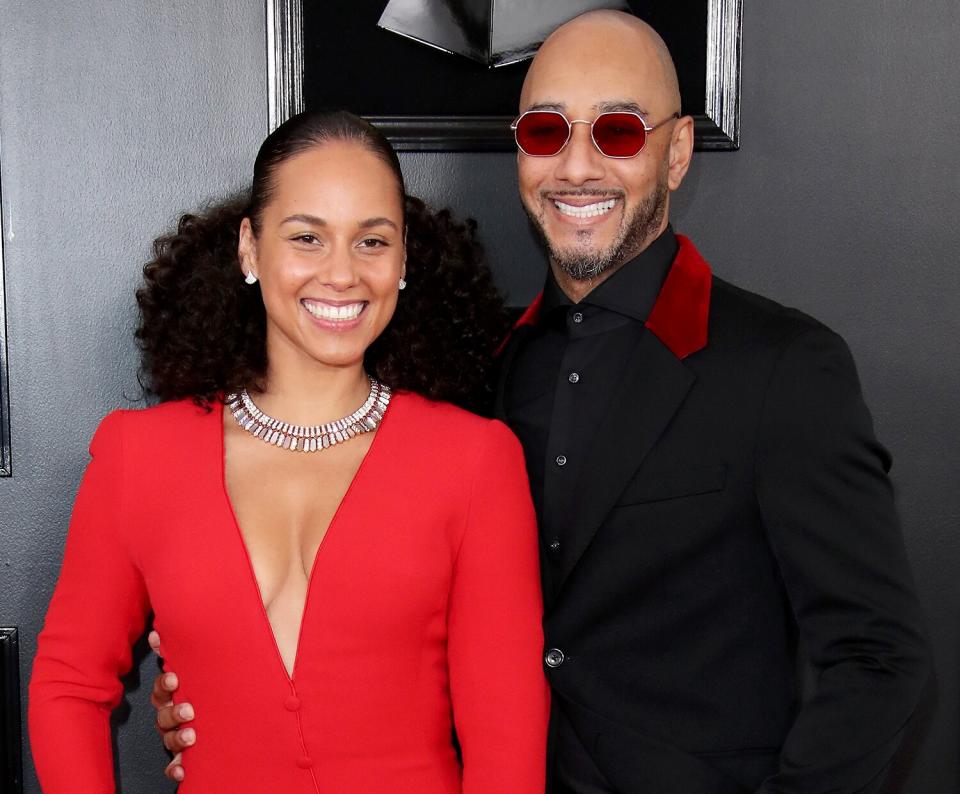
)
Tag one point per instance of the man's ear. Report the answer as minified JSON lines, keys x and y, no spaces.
{"x":681,"y":151}
{"x":247,"y":249}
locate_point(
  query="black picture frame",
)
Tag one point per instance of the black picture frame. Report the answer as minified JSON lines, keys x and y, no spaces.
{"x":6,"y":462}
{"x":717,"y":123}
{"x":11,"y":762}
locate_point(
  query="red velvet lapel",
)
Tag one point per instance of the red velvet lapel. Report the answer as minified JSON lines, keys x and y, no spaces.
{"x":531,"y":314}
{"x":679,"y":317}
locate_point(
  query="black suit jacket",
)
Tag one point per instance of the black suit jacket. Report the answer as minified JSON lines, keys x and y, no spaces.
{"x":734,"y":502}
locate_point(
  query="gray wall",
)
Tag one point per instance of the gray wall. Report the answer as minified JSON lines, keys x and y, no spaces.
{"x":115,"y":116}
{"x":842,"y":201}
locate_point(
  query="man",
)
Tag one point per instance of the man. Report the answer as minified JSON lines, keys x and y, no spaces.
{"x":706,"y":477}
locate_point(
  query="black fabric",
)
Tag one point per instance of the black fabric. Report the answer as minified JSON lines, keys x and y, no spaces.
{"x":573,"y":770}
{"x":565,"y":372}
{"x":727,"y":504}
{"x":562,"y":389}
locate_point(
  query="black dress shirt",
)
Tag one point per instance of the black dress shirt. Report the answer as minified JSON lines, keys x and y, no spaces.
{"x":564,"y":376}
{"x":568,"y":368}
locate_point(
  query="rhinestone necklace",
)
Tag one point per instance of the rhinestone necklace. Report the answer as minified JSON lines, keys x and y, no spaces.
{"x":314,"y":437}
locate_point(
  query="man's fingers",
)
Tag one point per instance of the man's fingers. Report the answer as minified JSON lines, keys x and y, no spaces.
{"x":174,"y":771}
{"x":164,"y":685}
{"x":172,"y":716}
{"x":175,"y":741}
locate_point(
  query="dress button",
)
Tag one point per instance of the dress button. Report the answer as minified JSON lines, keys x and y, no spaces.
{"x":577,"y":317}
{"x":574,"y":377}
{"x":554,"y":657}
{"x":561,"y":460}
{"x":304,"y":762}
{"x":291,"y":703}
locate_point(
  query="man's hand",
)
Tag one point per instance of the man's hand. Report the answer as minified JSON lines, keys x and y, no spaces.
{"x":170,"y":716}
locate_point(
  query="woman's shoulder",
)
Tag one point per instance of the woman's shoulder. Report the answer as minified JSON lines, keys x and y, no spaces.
{"x":444,"y":422}
{"x":161,"y":425}
{"x":158,"y":418}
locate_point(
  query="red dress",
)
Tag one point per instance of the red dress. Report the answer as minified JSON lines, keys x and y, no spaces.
{"x":423,"y":611}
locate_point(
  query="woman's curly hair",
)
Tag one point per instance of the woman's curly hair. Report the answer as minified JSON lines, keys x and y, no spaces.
{"x":202,"y":330}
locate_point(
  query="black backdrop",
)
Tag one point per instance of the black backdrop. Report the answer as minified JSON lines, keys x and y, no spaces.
{"x":349,"y":62}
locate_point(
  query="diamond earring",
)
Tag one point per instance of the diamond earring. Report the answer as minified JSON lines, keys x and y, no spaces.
{"x":403,"y":284}
{"x":250,"y":278}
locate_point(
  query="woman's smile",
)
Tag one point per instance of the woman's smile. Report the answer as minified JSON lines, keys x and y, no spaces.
{"x":334,"y":315}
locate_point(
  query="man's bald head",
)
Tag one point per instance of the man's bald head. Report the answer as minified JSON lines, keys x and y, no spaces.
{"x":621,"y":40}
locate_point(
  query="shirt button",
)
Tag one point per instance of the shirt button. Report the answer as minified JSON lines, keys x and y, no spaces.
{"x":577,"y":317}
{"x":561,"y":460}
{"x":554,"y":657}
{"x":291,"y":703}
{"x":555,"y":545}
{"x":574,"y":377}
{"x":304,"y":762}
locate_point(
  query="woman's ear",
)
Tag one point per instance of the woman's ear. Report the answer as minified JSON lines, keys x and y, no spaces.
{"x":247,"y":251}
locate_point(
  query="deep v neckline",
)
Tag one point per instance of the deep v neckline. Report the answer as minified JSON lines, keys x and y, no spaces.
{"x":357,"y":478}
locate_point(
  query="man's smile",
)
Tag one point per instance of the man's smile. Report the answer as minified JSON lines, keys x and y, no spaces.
{"x":580,"y":209}
{"x":592,"y":210}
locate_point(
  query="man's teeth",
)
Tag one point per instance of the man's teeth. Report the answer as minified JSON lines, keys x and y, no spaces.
{"x":324,"y":311}
{"x":587,"y":211}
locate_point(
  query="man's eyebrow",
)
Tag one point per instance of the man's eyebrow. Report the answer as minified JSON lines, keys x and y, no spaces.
{"x":557,"y":106}
{"x":620,"y":105}
{"x":607,"y":106}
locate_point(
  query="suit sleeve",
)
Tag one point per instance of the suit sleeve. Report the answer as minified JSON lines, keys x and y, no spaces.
{"x":98,"y":610}
{"x":827,"y":505}
{"x":495,"y":637}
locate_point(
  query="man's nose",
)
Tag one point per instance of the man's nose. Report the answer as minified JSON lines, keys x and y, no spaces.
{"x":580,"y":162}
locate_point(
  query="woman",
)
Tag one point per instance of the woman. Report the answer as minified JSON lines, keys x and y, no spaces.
{"x":368,"y":553}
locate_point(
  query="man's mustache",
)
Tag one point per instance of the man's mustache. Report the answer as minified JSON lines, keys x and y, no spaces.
{"x":591,"y":192}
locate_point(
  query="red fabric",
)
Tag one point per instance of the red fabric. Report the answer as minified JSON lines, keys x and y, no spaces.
{"x":679,"y":317}
{"x":423,"y":610}
{"x":532,"y":313}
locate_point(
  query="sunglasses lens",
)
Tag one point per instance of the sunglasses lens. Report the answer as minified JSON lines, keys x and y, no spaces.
{"x":619,"y":134}
{"x":542,"y":133}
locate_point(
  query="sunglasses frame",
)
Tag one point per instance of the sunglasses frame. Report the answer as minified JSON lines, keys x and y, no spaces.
{"x":570,"y":122}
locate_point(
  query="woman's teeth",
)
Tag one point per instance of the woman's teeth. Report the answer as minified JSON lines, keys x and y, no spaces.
{"x":587,"y":211}
{"x":324,"y":311}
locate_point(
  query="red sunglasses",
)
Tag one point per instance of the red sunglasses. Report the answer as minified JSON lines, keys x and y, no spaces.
{"x":619,"y":133}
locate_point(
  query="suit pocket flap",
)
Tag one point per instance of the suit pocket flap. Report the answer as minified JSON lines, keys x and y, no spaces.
{"x":658,"y":486}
